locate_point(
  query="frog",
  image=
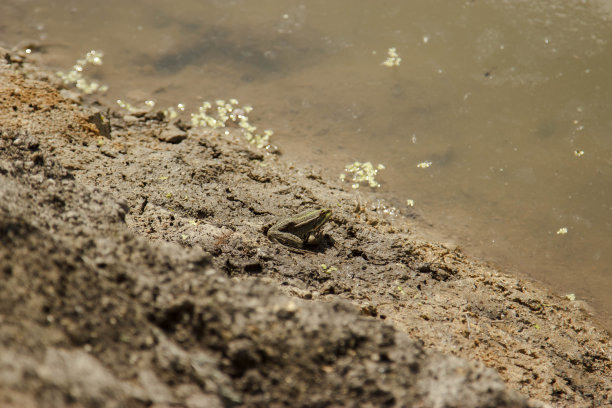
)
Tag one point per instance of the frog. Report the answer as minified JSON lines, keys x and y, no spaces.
{"x":294,"y":231}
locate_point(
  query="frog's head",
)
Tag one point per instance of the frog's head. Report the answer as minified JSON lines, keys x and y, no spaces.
{"x":322,"y":217}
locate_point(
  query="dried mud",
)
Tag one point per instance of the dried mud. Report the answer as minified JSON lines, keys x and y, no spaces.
{"x":135,"y":271}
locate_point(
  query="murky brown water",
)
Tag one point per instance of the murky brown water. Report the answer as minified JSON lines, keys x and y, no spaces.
{"x":497,"y":95}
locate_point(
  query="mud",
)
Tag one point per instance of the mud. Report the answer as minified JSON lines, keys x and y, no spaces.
{"x":136,"y":272}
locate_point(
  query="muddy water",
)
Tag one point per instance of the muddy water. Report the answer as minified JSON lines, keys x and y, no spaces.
{"x":509,"y":101}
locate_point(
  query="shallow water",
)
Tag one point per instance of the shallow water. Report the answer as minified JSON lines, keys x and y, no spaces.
{"x":500,"y":96}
